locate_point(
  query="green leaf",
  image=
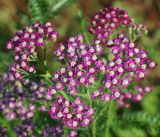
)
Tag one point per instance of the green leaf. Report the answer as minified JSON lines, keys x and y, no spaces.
{"x":59,"y":4}
{"x":39,"y":10}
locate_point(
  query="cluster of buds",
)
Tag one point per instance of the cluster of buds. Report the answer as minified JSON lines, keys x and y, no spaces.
{"x":107,"y":20}
{"x":81,"y":60}
{"x":138,"y":29}
{"x":15,"y":93}
{"x":24,"y":44}
{"x":124,"y":99}
{"x":73,"y":113}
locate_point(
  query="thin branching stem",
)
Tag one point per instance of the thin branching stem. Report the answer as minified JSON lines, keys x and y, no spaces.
{"x":45,"y":61}
{"x":104,"y":107}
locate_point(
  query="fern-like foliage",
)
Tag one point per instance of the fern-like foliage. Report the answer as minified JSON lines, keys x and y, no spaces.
{"x":42,"y":10}
{"x":139,"y":119}
{"x":39,"y":10}
{"x":152,"y":120}
{"x":148,"y":123}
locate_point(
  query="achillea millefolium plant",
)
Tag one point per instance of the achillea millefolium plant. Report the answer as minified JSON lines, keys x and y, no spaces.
{"x":97,"y":77}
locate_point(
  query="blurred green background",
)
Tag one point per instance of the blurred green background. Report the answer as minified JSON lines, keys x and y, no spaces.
{"x":69,"y":17}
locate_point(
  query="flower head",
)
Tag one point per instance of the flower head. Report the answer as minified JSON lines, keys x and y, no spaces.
{"x":107,"y":20}
{"x":24,"y":44}
{"x":73,"y":113}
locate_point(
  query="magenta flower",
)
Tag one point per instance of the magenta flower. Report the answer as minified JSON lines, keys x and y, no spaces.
{"x":73,"y":113}
{"x":24,"y":44}
{"x":107,"y":20}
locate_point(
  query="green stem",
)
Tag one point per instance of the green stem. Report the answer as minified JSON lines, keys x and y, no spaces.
{"x":94,"y":129}
{"x":111,"y":114}
{"x":104,"y":107}
{"x":45,"y":62}
{"x":65,"y":132}
{"x":94,"y":122}
{"x":64,"y":94}
{"x":82,"y":95}
{"x":90,"y":100}
{"x":95,"y":119}
{"x":83,"y":23}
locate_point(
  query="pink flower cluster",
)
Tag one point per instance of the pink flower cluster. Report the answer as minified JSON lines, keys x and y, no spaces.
{"x":107,"y":20}
{"x":24,"y":44}
{"x":85,"y":63}
{"x":73,"y":113}
{"x":81,"y":60}
{"x":128,"y":61}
